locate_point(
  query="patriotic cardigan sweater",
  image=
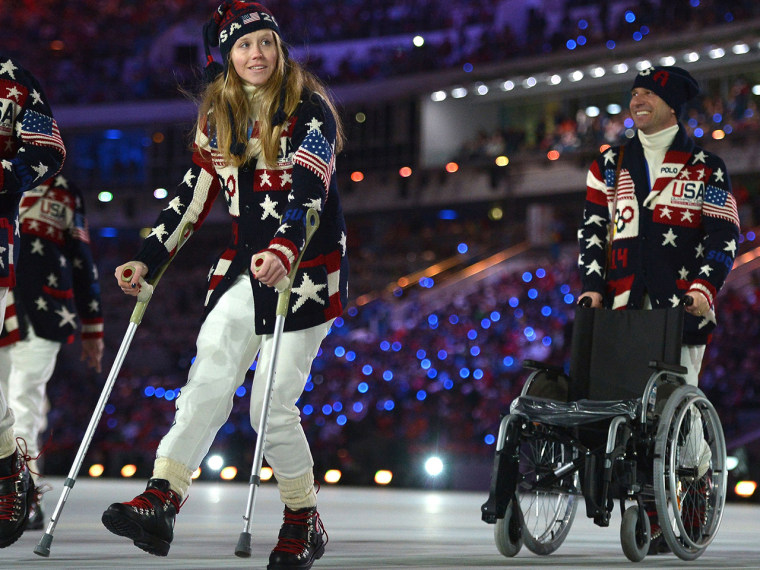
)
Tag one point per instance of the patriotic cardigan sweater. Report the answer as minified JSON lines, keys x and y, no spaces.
{"x":57,"y":279}
{"x":268,"y":209}
{"x":31,"y":151}
{"x":678,"y":237}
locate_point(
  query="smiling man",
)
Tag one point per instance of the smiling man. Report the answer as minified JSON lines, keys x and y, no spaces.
{"x":675,"y":225}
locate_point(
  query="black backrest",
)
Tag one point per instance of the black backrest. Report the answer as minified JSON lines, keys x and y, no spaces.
{"x":611,"y":350}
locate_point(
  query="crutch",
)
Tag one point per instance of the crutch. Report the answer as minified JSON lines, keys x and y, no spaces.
{"x":143,"y":297}
{"x":243,"y":549}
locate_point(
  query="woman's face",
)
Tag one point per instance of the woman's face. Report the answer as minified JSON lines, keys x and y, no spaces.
{"x":254,"y":56}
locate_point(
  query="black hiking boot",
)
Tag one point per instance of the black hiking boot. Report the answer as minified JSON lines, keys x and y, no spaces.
{"x":302,"y":540}
{"x":148,"y":519}
{"x":16,"y":493}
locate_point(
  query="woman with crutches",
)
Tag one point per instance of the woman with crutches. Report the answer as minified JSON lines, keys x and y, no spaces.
{"x":266,"y":137}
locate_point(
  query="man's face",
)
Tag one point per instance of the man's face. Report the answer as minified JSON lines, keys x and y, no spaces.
{"x":649,"y":112}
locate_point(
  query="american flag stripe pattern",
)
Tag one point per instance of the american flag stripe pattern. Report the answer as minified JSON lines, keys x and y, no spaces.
{"x":316,"y":155}
{"x":41,"y":130}
{"x":720,"y":204}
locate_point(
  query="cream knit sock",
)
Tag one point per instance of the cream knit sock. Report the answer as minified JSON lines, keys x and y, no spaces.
{"x":298,"y":493}
{"x":178,"y":475}
{"x":7,"y":443}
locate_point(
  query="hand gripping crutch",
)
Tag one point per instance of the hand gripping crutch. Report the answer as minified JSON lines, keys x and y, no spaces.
{"x":243,"y":549}
{"x":143,"y":297}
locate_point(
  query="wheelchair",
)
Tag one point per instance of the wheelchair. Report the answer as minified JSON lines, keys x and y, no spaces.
{"x":620,"y":426}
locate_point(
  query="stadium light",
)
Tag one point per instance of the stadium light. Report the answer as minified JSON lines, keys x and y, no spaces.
{"x":434,"y":466}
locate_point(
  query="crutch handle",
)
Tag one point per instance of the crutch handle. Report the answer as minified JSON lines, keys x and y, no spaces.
{"x":146,"y":289}
{"x":282,"y":284}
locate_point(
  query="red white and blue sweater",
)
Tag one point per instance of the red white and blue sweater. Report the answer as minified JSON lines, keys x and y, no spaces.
{"x":676,"y":236}
{"x":31,"y":151}
{"x":268,"y":208}
{"x":57,"y":283}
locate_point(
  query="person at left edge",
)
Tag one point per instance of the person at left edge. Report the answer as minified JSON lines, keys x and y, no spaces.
{"x":31,"y":151}
{"x":57,"y":282}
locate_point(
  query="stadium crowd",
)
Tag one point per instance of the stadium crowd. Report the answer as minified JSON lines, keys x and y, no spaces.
{"x":80,"y":64}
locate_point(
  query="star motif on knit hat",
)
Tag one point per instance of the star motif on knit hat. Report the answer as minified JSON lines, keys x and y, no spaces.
{"x":705,"y":270}
{"x":700,"y":157}
{"x":37,"y":247}
{"x":52,"y":280}
{"x":269,"y":207}
{"x":670,"y":237}
{"x":307,"y":290}
{"x":594,"y":267}
{"x":730,"y":247}
{"x":8,"y":68}
{"x":67,"y":317}
{"x":609,"y":156}
{"x":41,"y":304}
{"x":719,"y":175}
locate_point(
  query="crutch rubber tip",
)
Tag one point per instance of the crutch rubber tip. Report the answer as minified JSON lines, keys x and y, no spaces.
{"x":43,"y":548}
{"x":243,"y":549}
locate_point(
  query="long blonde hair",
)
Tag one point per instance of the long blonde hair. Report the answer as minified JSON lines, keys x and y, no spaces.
{"x":224,"y":106}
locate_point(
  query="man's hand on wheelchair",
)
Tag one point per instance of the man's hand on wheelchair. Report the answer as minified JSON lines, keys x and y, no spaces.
{"x":594,"y":299}
{"x":699,"y":306}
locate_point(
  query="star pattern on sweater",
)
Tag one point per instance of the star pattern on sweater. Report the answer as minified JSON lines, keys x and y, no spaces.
{"x":700,"y":250}
{"x":314,"y":124}
{"x":2,"y":251}
{"x":52,"y":280}
{"x":316,"y":203}
{"x":62,"y":260}
{"x":342,"y":243}
{"x":594,"y":241}
{"x":175,"y":205}
{"x":188,"y":178}
{"x":594,"y":267}
{"x":665,"y":212}
{"x":700,"y":157}
{"x":705,"y":270}
{"x":731,"y":247}
{"x":670,"y":238}
{"x":686,"y":216}
{"x":609,"y":156}
{"x":683,"y":273}
{"x":37,"y":247}
{"x":41,"y":304}
{"x":36,"y":97}
{"x":307,"y":290}
{"x":159,"y":232}
{"x":285,"y":178}
{"x":40,"y":169}
{"x":674,"y":300}
{"x":269,"y":208}
{"x":264,"y":178}
{"x":595,"y":220}
{"x":719,"y":175}
{"x":13,"y":92}
{"x":94,"y":306}
{"x":67,"y":317}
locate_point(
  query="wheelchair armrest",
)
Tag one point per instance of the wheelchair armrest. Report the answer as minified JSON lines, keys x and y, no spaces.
{"x":536,"y":365}
{"x":675,"y":368}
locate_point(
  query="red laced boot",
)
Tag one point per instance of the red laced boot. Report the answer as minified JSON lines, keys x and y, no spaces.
{"x":16,"y":493}
{"x":148,"y":519}
{"x":302,"y":540}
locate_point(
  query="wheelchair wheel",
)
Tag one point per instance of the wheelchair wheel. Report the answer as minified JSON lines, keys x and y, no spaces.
{"x":547,"y":509}
{"x":507,"y":532}
{"x":634,"y":533}
{"x":689,"y":472}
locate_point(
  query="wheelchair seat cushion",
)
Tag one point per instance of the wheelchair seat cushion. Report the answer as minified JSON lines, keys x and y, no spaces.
{"x":569,"y":414}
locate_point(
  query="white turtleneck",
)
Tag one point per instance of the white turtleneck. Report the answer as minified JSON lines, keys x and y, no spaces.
{"x":655,"y":147}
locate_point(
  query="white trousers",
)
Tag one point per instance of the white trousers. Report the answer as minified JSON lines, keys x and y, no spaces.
{"x":6,"y":415}
{"x":25,"y":368}
{"x":226,"y":347}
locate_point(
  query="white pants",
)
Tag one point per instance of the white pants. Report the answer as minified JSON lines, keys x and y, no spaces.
{"x":6,"y":415}
{"x":25,"y":368}
{"x":227,"y":346}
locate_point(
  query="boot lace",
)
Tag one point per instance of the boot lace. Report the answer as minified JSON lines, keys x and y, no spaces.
{"x":9,"y":503}
{"x":296,"y":545}
{"x":142,"y":501}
